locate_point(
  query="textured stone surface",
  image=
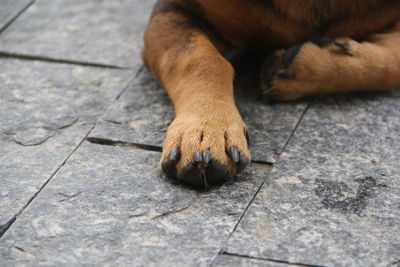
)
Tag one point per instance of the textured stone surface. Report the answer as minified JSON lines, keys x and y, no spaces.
{"x":10,"y":9}
{"x":142,"y":115}
{"x":229,"y":261}
{"x":45,"y":111}
{"x":110,"y":206}
{"x":98,"y":31}
{"x":334,"y":197}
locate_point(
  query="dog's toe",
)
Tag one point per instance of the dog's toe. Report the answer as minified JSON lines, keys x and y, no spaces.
{"x":192,"y":174}
{"x":169,"y":165}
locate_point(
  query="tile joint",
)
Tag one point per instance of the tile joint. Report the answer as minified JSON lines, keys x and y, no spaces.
{"x":16,"y":16}
{"x":268,"y":259}
{"x":4,"y":54}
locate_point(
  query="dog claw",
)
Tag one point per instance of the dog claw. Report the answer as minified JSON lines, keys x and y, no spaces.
{"x":174,"y":154}
{"x":235,"y":154}
{"x":291,"y":54}
{"x":346,"y":48}
{"x":198,"y":157}
{"x":285,"y":74}
{"x":270,"y":93}
{"x":204,"y":170}
{"x":240,"y":161}
{"x":206,"y":156}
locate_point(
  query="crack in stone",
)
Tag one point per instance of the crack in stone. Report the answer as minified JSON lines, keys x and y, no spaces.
{"x":23,"y":251}
{"x":110,"y":142}
{"x":68,"y":197}
{"x":20,"y":249}
{"x":268,"y":259}
{"x":262,"y":162}
{"x":4,"y":54}
{"x":174,"y":211}
{"x":113,"y":122}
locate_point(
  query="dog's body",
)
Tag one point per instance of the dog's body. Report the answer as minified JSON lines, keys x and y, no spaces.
{"x":355,"y":46}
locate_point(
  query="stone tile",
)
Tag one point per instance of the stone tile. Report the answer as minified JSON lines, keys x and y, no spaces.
{"x":229,"y":261}
{"x":10,"y":9}
{"x":141,"y":115}
{"x":104,"y":32}
{"x":143,"y":112}
{"x":45,"y":111}
{"x":333,"y":199}
{"x":110,"y":205}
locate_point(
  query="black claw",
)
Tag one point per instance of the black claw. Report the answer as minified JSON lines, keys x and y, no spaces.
{"x":198,"y":156}
{"x":285,"y":74}
{"x":345,"y":47}
{"x":270,"y":93}
{"x":235,"y":154}
{"x":321,"y":42}
{"x":192,"y":175}
{"x":242,"y":164}
{"x":206,"y":156}
{"x":291,"y":53}
{"x":216,"y":172}
{"x":174,"y":154}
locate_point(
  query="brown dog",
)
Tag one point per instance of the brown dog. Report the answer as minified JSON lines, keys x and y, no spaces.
{"x":326,"y":46}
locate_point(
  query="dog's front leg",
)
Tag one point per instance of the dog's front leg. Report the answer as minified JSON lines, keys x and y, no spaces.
{"x":206,"y":143}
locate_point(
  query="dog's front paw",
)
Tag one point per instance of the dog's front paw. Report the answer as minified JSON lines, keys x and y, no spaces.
{"x":203,"y":149}
{"x":311,"y":68}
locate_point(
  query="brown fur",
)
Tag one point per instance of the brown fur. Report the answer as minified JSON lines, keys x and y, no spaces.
{"x":186,"y":39}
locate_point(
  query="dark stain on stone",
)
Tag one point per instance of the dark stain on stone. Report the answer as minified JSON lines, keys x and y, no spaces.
{"x":341,"y":197}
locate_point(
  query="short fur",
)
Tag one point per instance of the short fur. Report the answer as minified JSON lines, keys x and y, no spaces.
{"x":321,"y":47}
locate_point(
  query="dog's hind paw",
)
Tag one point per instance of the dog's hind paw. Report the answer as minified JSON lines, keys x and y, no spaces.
{"x":310,"y":68}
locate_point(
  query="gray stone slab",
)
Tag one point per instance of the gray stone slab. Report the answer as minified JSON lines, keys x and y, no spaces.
{"x":10,"y":9}
{"x":229,"y":261}
{"x":97,"y":31}
{"x":333,"y":199}
{"x":142,"y":115}
{"x":110,"y":205}
{"x":45,"y":112}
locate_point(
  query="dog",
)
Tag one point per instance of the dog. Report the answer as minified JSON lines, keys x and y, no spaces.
{"x":318,"y":47}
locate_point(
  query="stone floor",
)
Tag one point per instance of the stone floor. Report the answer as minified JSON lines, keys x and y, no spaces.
{"x":81,"y":124}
